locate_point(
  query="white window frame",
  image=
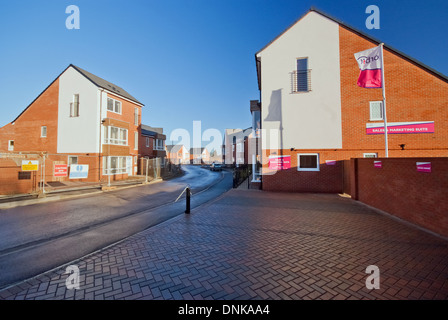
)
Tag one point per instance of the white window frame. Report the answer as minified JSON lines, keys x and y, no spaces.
{"x":308,"y":169}
{"x":10,"y":145}
{"x":114,"y":105}
{"x":72,"y":157}
{"x":147,"y":142}
{"x":74,"y":114}
{"x":107,"y":170}
{"x":371,"y":105}
{"x":136,"y":140}
{"x":43,"y":133}
{"x":118,"y":141}
{"x":136,"y":116}
{"x":370,"y":155}
{"x":158,"y":144}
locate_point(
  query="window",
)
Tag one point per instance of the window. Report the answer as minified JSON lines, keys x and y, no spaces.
{"x":308,"y":162}
{"x":301,"y":78}
{"x":11,"y":145}
{"x":72,"y":160}
{"x":114,"y":135}
{"x":114,"y":105}
{"x":74,"y":106}
{"x":135,"y":140}
{"x":147,"y":142}
{"x":136,"y":116}
{"x":376,"y":110}
{"x":43,"y":132}
{"x":114,"y":165}
{"x":370,"y":155}
{"x":158,"y":144}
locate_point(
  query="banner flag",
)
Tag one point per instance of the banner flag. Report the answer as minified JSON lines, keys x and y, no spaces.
{"x":370,"y":65}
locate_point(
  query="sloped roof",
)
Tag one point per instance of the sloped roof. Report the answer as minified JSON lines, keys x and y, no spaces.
{"x":100,"y":82}
{"x":95,"y":80}
{"x":196,"y":150}
{"x":359,"y":33}
{"x":173,"y":148}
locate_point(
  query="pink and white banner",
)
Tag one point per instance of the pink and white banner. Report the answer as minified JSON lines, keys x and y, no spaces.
{"x":369,"y":62}
{"x":424,"y":166}
{"x":279,"y":162}
{"x":401,"y":127}
{"x":377,"y":164}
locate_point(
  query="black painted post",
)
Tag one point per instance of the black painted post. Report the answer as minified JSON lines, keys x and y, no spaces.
{"x":187,"y":210}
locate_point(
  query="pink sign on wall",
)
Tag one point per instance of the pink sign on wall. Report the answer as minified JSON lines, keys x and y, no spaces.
{"x":279,"y":162}
{"x":377,"y":164}
{"x":424,"y":166}
{"x":330,"y":162}
{"x":401,"y":127}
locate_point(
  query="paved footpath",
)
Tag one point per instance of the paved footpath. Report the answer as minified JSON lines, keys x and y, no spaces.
{"x":251,"y":244}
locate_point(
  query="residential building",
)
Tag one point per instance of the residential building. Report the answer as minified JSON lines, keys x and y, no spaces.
{"x":152,"y":142}
{"x":81,"y":121}
{"x":314,"y":116}
{"x":177,"y":154}
{"x":237,"y":146}
{"x":199,"y":155}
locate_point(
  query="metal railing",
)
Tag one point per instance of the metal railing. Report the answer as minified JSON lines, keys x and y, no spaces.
{"x":300,"y":81}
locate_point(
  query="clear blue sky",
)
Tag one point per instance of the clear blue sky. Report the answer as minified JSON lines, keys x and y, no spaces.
{"x":185,"y":60}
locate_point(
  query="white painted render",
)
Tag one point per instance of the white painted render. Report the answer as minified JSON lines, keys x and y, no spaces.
{"x":78,"y":134}
{"x":310,"y":120}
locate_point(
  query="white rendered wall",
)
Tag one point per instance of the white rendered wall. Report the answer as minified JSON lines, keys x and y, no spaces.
{"x":309,"y":120}
{"x":78,"y":134}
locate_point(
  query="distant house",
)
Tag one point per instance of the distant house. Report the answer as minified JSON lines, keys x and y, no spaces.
{"x":152,"y":142}
{"x":236,"y":146}
{"x":82,"y":123}
{"x":199,"y":155}
{"x":177,"y":154}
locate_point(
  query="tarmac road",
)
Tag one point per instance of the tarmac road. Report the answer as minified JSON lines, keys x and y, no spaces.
{"x":39,"y":237}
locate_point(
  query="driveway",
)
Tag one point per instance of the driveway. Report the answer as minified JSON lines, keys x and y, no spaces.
{"x":251,"y":244}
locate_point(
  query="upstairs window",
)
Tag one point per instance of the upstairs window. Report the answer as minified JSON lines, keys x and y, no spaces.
{"x":114,"y":105}
{"x":158,"y":144}
{"x":11,"y":145}
{"x":74,"y":106}
{"x":43,"y":132}
{"x":114,"y":135}
{"x":147,"y":142}
{"x":301,"y":78}
{"x":136,"y":116}
{"x":376,"y":110}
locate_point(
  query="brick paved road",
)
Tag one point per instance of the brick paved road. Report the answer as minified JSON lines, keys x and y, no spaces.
{"x":258,"y":245}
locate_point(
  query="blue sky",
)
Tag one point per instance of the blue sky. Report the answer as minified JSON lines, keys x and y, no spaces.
{"x":186,"y":60}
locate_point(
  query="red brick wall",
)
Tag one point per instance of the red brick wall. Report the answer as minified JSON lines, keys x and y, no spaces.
{"x":399,"y":189}
{"x":26,"y":131}
{"x":413,"y":94}
{"x":9,"y":182}
{"x":127,"y":115}
{"x":329,"y":178}
{"x":145,"y":151}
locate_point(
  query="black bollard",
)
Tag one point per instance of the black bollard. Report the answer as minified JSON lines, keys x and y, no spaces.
{"x":187,"y":210}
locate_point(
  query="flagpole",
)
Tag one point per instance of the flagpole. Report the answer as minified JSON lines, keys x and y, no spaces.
{"x":383,"y":85}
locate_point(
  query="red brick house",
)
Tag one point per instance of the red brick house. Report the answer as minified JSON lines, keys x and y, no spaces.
{"x":82,"y":121}
{"x":314,"y":116}
{"x":152,"y":142}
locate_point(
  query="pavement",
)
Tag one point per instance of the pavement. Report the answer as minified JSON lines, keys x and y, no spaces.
{"x":251,"y":244}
